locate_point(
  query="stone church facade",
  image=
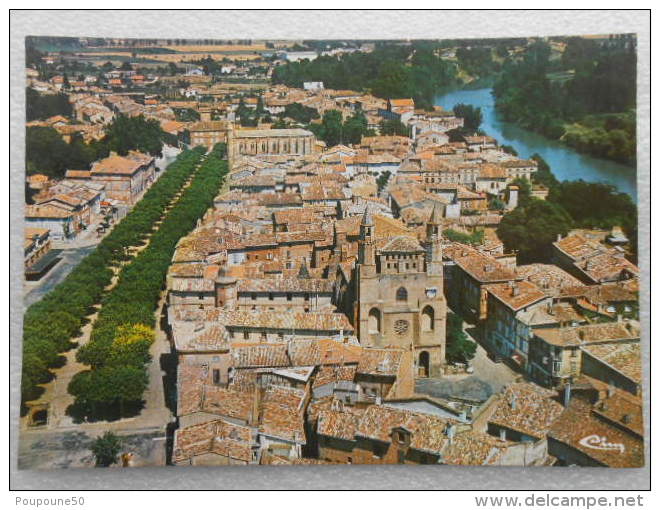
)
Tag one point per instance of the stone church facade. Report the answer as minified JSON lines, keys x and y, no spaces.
{"x":270,"y":142}
{"x":400,"y":300}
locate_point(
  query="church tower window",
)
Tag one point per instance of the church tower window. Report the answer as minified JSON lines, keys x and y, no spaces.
{"x":427,"y":318}
{"x":374,"y":320}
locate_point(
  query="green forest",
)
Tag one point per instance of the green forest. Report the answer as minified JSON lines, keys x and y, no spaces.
{"x":586,"y":98}
{"x":533,"y":226}
{"x":390,"y":71}
{"x":47,"y":153}
{"x":43,"y":106}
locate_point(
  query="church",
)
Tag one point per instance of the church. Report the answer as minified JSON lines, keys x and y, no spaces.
{"x":399,"y":290}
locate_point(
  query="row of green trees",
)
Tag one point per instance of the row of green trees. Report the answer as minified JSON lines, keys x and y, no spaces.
{"x":51,"y":323}
{"x":118,"y":350}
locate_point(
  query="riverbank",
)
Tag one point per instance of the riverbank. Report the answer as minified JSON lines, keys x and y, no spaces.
{"x":566,"y":163}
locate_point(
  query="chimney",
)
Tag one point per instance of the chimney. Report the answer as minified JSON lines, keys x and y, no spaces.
{"x":515,"y":290}
{"x":567,"y":394}
{"x":512,"y":403}
{"x":558,"y":237}
{"x":611,"y":391}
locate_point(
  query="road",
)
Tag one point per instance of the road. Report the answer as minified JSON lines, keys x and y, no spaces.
{"x":488,"y":378}
{"x":74,"y":251}
{"x":71,"y":257}
{"x":65,"y":439}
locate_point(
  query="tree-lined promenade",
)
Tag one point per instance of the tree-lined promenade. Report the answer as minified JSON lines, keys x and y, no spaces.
{"x":50,"y":324}
{"x":118,"y":350}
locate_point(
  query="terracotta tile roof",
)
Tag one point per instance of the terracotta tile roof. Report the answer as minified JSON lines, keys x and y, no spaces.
{"x":190,"y":387}
{"x":294,"y":321}
{"x":556,"y":314}
{"x":328,"y":374}
{"x":607,"y":444}
{"x":605,"y":292}
{"x":195,"y":270}
{"x":79,"y":174}
{"x":474,"y":449}
{"x":32,"y":232}
{"x":279,"y":199}
{"x":47,"y":211}
{"x":290,"y":216}
{"x":591,"y":333}
{"x":516,"y":295}
{"x":526,"y":408}
{"x":188,"y":284}
{"x":402,"y":102}
{"x":549,"y":278}
{"x":607,"y":266}
{"x":194,"y":333}
{"x":481,"y":267}
{"x":402,"y":244}
{"x":623,"y":409}
{"x":323,"y":192}
{"x":259,"y":355}
{"x":118,"y":165}
{"x":230,"y":402}
{"x":217,"y":436}
{"x":491,"y":171}
{"x":427,"y":432}
{"x":311,"y":285}
{"x":519,"y":163}
{"x":254,"y":180}
{"x":325,"y":351}
{"x":382,"y":362}
{"x":282,"y":413}
{"x":340,"y":424}
{"x":625,"y":358}
{"x":579,"y":247}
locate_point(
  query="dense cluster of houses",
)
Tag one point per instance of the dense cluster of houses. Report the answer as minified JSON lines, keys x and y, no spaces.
{"x":307,"y":302}
{"x":314,"y":293}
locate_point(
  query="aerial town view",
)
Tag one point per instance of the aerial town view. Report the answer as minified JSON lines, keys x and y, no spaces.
{"x":308,"y":252}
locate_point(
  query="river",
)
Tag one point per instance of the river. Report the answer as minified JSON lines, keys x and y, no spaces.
{"x":565,"y":162}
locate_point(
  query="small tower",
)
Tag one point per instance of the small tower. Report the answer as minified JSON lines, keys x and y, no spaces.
{"x":434,"y":224}
{"x":367,"y":248}
{"x":433,"y":243}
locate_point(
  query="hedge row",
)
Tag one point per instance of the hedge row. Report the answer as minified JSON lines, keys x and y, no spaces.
{"x":51,"y":323}
{"x":118,"y":373}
